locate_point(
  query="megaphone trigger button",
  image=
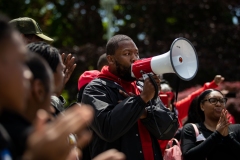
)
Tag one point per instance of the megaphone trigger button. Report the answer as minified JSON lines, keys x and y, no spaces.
{"x":180,"y":59}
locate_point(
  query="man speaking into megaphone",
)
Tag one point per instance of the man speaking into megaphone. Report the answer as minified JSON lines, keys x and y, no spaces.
{"x":132,"y":124}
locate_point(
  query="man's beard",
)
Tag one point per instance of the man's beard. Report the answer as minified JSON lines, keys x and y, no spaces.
{"x":124,"y":72}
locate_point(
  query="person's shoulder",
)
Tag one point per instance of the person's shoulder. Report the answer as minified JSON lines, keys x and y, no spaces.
{"x":188,"y":126}
{"x":105,"y":83}
{"x":56,"y":102}
{"x":188,"y":130}
{"x":99,"y":81}
{"x":55,"y":99}
{"x":97,"y":84}
{"x":94,"y":83}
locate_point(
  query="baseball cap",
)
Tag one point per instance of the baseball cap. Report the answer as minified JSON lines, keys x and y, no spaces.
{"x":26,"y":25}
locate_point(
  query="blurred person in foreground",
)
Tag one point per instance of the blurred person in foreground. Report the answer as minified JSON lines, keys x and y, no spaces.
{"x":15,"y":82}
{"x":217,"y":138}
{"x":48,"y":141}
{"x":123,"y":122}
{"x":15,"y":78}
{"x":19,"y":125}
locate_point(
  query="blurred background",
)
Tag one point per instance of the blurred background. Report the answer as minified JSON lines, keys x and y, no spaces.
{"x":82,"y":27}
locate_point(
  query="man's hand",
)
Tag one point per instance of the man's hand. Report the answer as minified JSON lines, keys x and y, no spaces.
{"x":148,"y":88}
{"x":70,"y":65}
{"x":218,"y":79}
{"x":51,"y":140}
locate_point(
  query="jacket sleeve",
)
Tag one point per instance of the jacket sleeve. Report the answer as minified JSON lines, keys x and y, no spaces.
{"x":184,"y":104}
{"x":233,"y":139}
{"x":112,"y":118}
{"x":159,"y":119}
{"x":190,"y":149}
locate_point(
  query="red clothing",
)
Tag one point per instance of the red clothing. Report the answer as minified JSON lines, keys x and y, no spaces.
{"x":87,"y":77}
{"x":128,"y":86}
{"x":231,"y":119}
{"x":184,"y":104}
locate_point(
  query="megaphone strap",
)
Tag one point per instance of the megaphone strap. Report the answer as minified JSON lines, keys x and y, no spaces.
{"x":177,"y":87}
{"x":155,"y":86}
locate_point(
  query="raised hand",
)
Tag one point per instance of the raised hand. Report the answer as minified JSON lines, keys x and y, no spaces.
{"x":70,"y":65}
{"x":218,"y":79}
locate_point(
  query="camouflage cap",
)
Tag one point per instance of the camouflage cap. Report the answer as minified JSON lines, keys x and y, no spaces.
{"x":27,"y":25}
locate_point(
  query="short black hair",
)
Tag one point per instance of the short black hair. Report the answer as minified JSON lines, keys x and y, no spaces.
{"x":112,"y":44}
{"x":48,"y":52}
{"x":102,"y":61}
{"x":40,"y":69}
{"x":5,"y":28}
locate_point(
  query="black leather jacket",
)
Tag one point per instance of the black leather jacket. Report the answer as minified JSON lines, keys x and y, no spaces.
{"x":115,"y":123}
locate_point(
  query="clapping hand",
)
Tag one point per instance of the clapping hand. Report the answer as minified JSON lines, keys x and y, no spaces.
{"x":223,"y":123}
{"x":50,"y":141}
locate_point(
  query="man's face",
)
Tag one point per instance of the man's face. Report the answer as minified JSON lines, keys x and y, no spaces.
{"x":124,"y":56}
{"x":15,"y":76}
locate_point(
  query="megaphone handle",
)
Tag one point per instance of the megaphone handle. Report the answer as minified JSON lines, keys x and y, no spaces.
{"x":154,"y":84}
{"x":144,"y":76}
{"x":155,"y":96}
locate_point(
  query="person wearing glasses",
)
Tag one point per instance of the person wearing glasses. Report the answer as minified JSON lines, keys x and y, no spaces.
{"x":217,"y":138}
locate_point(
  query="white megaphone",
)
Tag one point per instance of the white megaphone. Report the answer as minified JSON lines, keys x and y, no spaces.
{"x":181,"y":60}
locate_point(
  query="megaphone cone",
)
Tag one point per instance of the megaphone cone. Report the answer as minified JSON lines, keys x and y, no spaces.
{"x":181,"y":60}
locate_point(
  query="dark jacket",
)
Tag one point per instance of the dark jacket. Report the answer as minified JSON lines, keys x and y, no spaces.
{"x":18,"y":129}
{"x":5,"y":144}
{"x":115,"y":123}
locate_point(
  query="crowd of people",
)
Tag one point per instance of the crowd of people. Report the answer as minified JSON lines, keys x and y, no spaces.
{"x":115,"y":116}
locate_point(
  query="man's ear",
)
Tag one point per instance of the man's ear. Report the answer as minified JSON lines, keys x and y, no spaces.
{"x":110,"y":59}
{"x":38,"y":91}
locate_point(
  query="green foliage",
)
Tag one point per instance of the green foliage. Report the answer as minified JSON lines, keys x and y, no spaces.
{"x":77,"y":27}
{"x":171,"y":20}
